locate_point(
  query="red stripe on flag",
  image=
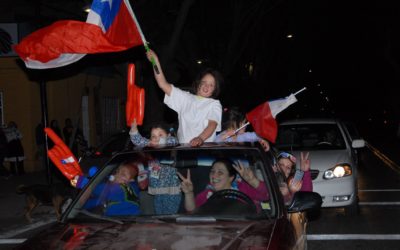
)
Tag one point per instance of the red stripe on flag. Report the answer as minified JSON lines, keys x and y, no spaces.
{"x":123,"y":30}
{"x":264,"y":124}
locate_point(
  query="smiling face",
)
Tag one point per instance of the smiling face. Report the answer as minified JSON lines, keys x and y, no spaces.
{"x":207,"y":86}
{"x":156,"y":134}
{"x":285,"y":165}
{"x":219,"y":177}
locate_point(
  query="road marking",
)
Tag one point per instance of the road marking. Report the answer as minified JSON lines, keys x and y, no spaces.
{"x":353,"y":237}
{"x":384,"y":158}
{"x":11,"y":241}
{"x":380,"y":203}
{"x":379,"y":190}
{"x":26,"y":228}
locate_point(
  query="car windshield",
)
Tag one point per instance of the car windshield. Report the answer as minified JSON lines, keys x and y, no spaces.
{"x":146,"y":184}
{"x":310,"y":137}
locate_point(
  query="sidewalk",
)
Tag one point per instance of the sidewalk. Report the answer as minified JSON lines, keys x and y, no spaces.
{"x":12,"y":204}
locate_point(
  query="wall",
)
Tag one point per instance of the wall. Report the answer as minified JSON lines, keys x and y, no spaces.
{"x":22,"y":102}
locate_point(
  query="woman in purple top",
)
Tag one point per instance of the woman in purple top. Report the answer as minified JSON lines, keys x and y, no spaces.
{"x":223,"y":176}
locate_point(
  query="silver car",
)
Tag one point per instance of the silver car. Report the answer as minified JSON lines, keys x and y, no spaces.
{"x":333,"y":148}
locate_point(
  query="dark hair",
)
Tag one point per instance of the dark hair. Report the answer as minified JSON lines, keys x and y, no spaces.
{"x":53,"y":123}
{"x":218,"y":81}
{"x":68,"y":120}
{"x":231,"y":118}
{"x":12,"y":124}
{"x":160,"y":125}
{"x":131,"y":166}
{"x":228,"y":164}
{"x":290,"y":157}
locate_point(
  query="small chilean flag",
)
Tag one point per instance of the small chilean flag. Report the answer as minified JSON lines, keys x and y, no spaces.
{"x":110,"y":26}
{"x":262,"y":118}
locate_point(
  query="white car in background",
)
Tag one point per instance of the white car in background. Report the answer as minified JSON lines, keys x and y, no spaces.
{"x":333,"y":153}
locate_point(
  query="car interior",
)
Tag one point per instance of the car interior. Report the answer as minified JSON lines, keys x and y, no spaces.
{"x":198,"y":162}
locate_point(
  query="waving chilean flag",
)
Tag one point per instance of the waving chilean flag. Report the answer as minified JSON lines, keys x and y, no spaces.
{"x":110,"y":26}
{"x":262,"y":118}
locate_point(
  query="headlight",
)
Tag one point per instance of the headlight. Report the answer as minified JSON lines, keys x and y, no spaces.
{"x":338,"y":171}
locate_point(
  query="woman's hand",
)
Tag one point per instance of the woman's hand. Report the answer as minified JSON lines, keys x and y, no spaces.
{"x":294,"y":186}
{"x":186,"y":184}
{"x":187,"y":189}
{"x":304,"y":161}
{"x":247,"y":174}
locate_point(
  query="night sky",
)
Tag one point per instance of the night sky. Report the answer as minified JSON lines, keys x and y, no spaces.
{"x":346,"y":54}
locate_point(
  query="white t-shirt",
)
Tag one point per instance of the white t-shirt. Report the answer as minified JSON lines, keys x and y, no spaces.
{"x":194,"y":112}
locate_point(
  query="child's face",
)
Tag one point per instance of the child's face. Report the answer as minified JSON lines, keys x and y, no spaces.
{"x":124,"y":175}
{"x":156,"y":134}
{"x":207,"y":86}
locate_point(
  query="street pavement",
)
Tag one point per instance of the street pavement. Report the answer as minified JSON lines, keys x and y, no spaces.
{"x":12,"y":220}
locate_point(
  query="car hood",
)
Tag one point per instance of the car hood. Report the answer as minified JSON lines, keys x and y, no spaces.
{"x":325,"y":159}
{"x":232,"y":235}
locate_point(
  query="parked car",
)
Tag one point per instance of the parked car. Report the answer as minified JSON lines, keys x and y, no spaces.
{"x":228,"y":219}
{"x":333,"y":146}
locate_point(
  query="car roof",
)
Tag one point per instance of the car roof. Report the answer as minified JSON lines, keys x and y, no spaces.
{"x":207,"y":145}
{"x":310,"y":121}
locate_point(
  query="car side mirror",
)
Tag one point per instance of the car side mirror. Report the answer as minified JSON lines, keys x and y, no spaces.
{"x":303,"y":201}
{"x":359,"y":143}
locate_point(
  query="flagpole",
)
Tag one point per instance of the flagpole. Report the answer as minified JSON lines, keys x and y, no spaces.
{"x":301,"y":90}
{"x":145,"y":43}
{"x":237,"y":130}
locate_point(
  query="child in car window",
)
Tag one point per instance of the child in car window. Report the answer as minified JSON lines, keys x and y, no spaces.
{"x":119,"y":195}
{"x":222,"y":176}
{"x":163,"y":182}
{"x":159,"y":135}
{"x":233,"y":119}
{"x":285,"y":171}
{"x":199,"y":113}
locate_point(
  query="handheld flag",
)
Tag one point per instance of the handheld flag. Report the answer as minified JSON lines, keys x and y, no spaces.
{"x":110,"y":26}
{"x":62,"y":156}
{"x":262,"y":118}
{"x":134,"y":109}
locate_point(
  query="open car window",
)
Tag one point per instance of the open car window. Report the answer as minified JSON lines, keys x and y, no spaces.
{"x":156,"y":188}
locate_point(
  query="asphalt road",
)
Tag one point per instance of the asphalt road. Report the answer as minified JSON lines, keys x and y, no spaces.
{"x":377,"y":224}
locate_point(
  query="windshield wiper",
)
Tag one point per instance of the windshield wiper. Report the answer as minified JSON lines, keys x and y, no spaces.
{"x":97,"y":216}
